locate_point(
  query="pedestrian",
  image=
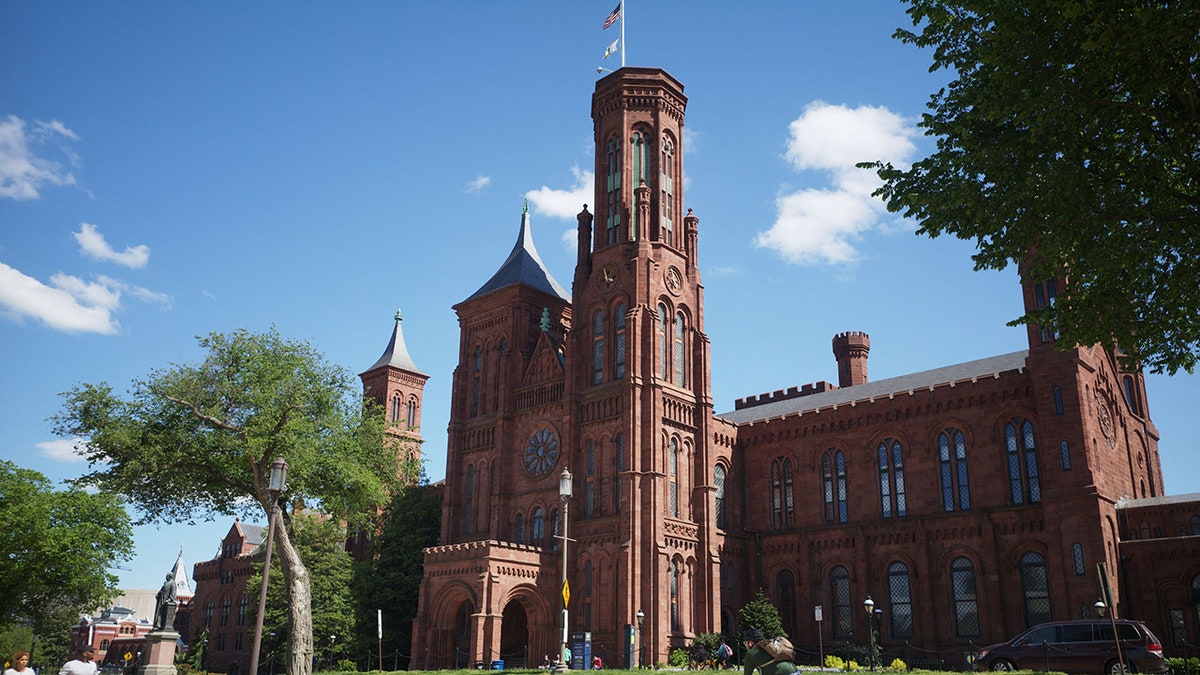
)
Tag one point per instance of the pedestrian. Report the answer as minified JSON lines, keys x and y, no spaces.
{"x":84,"y":665}
{"x":597,"y":664}
{"x":724,"y":652}
{"x":20,"y":661}
{"x":759,"y":658}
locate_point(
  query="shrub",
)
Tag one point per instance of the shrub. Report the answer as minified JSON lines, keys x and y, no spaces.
{"x":1178,"y":667}
{"x":678,"y":658}
{"x":835,"y":662}
{"x":897,"y":665}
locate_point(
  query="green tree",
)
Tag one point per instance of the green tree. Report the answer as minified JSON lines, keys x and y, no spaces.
{"x":199,"y":440}
{"x":761,"y":614}
{"x":1070,"y":131}
{"x":319,"y":541}
{"x":390,"y":580}
{"x":57,"y":547}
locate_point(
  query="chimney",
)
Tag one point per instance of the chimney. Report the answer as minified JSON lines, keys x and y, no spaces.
{"x":850,"y":349}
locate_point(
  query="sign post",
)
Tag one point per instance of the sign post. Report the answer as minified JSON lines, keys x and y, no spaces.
{"x":820,"y":638}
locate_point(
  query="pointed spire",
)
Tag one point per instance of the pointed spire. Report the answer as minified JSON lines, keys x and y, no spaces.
{"x":183,"y":588}
{"x":396,"y":354}
{"x":523,"y":266}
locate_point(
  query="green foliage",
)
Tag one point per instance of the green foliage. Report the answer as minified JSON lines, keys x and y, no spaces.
{"x":678,"y":658}
{"x":329,"y":566}
{"x":390,"y":580}
{"x":761,"y":614}
{"x":197,"y":652}
{"x":1070,"y":129}
{"x":1178,"y":667}
{"x":346,"y":666}
{"x":58,"y":546}
{"x":898,"y":665}
{"x":835,"y":662}
{"x":708,"y":642}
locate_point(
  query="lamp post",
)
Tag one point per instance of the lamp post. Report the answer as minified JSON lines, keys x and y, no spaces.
{"x":564,"y":493}
{"x":276,"y":484}
{"x":641,"y":621}
{"x":869,"y":605}
{"x":1100,"y":607}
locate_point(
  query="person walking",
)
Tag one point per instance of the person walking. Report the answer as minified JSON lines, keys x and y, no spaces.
{"x":84,"y":665}
{"x":760,"y":659}
{"x":20,"y":664}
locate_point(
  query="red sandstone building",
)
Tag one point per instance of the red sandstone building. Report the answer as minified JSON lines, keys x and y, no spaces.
{"x":218,"y":613}
{"x":968,"y":502}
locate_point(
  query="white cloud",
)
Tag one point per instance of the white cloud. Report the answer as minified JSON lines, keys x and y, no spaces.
{"x":564,"y":203}
{"x":478,"y":184}
{"x":823,"y":226}
{"x":23,"y":172}
{"x":93,"y":245}
{"x":68,"y":303}
{"x":63,"y":450}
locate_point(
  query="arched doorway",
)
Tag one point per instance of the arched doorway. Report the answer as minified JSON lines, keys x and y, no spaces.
{"x":514,"y":636}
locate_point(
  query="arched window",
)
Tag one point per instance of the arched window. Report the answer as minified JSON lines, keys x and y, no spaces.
{"x":520,"y":528}
{"x":785,"y":596}
{"x":554,"y":536}
{"x":598,"y":347}
{"x":900,"y":601}
{"x":839,"y":600}
{"x":1064,"y":451}
{"x":243,"y":605}
{"x":1077,"y":554}
{"x":1023,"y":477}
{"x":952,"y":455}
{"x":619,"y":355}
{"x":411,"y":412}
{"x":674,"y":582}
{"x":677,"y":351}
{"x":395,"y":416}
{"x":833,"y":478}
{"x":469,"y":502}
{"x":1058,"y":401}
{"x":208,"y":614}
{"x":666,"y":206}
{"x":673,"y":475}
{"x":1035,"y":589}
{"x":662,"y":341}
{"x":719,"y":490}
{"x":613,"y":192}
{"x":104,"y":643}
{"x":892,"y":497}
{"x":640,"y":149}
{"x":1130,"y":394}
{"x":538,"y":525}
{"x":782,"y":498}
{"x":476,"y":370}
{"x":226,"y":603}
{"x":966,"y":600}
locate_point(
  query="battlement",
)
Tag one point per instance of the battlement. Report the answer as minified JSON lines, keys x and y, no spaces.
{"x":851,"y":349}
{"x":784,"y":394}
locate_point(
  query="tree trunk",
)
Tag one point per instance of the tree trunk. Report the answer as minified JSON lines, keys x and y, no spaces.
{"x":299,"y":594}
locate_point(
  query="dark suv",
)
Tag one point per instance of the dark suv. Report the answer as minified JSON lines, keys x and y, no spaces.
{"x":1084,"y":646}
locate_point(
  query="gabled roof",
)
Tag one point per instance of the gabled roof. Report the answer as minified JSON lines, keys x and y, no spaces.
{"x":396,"y":354}
{"x":969,"y":371}
{"x":523,"y":266}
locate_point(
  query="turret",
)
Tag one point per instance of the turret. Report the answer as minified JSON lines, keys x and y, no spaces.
{"x":851,"y":349}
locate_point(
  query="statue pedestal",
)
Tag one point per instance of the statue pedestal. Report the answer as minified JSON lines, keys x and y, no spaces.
{"x":161,"y":657}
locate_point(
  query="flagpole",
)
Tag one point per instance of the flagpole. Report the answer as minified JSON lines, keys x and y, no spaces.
{"x":622,"y":33}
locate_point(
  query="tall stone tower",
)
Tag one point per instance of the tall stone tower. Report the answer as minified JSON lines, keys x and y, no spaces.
{"x":396,"y":383}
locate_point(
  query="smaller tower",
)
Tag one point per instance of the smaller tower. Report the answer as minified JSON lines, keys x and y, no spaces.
{"x":851,"y":349}
{"x":395,"y":382}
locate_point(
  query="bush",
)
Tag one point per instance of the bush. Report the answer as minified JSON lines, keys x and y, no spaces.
{"x":678,"y":658}
{"x":1178,"y":667}
{"x":897,"y":665}
{"x":835,"y":662}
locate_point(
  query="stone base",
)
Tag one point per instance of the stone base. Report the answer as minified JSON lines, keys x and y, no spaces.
{"x":160,"y":656}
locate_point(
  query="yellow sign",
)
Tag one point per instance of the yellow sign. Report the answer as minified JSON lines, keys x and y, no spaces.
{"x":566,"y":593}
{"x":128,"y":656}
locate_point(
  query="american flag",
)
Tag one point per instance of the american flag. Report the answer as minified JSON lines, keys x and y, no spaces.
{"x":612,"y":18}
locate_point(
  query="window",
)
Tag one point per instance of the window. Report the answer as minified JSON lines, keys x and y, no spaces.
{"x":785,"y":596}
{"x":619,"y":355}
{"x":674,"y":588}
{"x":833,"y":477}
{"x":891,"y":479}
{"x":1064,"y":451}
{"x":554,"y":530}
{"x":538,"y":526}
{"x":520,"y":528}
{"x":396,"y":408}
{"x":1194,"y":522}
{"x":680,"y":370}
{"x":613,"y":192}
{"x":839,"y":600}
{"x":1077,"y":554}
{"x":640,"y":149}
{"x":587,"y":595}
{"x":589,"y":499}
{"x":243,"y":605}
{"x":469,"y":506}
{"x":1196,"y":597}
{"x":966,"y":601}
{"x":104,"y":643}
{"x":619,"y":458}
{"x":719,"y":490}
{"x":476,"y":369}
{"x":666,"y":207}
{"x":1035,"y":588}
{"x":1130,"y":393}
{"x":1044,"y":294}
{"x":1058,"y":401}
{"x":411,"y":413}
{"x":220,"y":642}
{"x":1024,"y":483}
{"x":782,"y":502}
{"x":1178,"y":628}
{"x":900,"y":601}
{"x":673,"y":471}
{"x":662,"y":341}
{"x":952,"y":456}
{"x":597,"y":347}
{"x":225,"y":605}
{"x":208,"y":614}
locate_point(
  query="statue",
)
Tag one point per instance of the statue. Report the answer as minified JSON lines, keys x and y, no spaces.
{"x":164,"y":613}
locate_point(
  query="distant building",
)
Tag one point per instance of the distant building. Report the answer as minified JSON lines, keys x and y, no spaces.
{"x":131,"y":616}
{"x":222,"y":601}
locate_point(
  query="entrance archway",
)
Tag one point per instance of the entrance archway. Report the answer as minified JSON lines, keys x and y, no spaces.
{"x":514,"y":635}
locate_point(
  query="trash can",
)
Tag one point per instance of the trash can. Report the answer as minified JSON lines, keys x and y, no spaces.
{"x":497,"y":665}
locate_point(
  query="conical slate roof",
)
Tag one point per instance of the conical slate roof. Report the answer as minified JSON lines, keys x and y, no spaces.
{"x":396,"y":354}
{"x":183,"y":588}
{"x":523,"y":266}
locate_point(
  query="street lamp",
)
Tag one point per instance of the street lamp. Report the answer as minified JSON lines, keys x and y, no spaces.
{"x":869,"y":605}
{"x":276,"y":484}
{"x":1100,"y":607}
{"x":564,"y":493}
{"x":641,"y":621}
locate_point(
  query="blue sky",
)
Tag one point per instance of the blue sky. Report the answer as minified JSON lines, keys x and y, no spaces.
{"x":170,"y":169}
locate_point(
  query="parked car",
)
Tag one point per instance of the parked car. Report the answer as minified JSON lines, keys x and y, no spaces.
{"x":1084,"y":646}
